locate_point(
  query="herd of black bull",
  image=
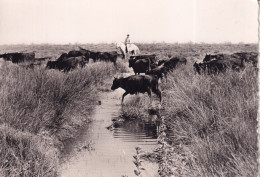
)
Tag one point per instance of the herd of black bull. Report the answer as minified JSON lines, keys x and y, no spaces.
{"x":66,"y":62}
{"x":212,"y":64}
{"x":75,"y":58}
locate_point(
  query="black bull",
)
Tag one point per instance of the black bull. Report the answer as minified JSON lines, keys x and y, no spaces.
{"x":138,"y":84}
{"x":67,"y":64}
{"x":19,"y":57}
{"x":249,"y":57}
{"x":140,"y":65}
{"x":217,"y":66}
{"x":166,"y":65}
{"x":96,"y":56}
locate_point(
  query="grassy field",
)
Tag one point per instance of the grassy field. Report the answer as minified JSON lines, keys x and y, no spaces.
{"x":40,"y":109}
{"x":211,"y":121}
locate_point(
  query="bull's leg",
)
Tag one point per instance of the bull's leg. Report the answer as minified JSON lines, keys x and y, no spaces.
{"x":165,"y":77}
{"x":159,"y":94}
{"x":150,"y":95}
{"x":123,"y":97}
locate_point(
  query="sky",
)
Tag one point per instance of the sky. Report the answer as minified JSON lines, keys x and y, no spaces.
{"x":106,"y":21}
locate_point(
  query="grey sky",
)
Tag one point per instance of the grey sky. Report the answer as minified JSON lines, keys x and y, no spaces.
{"x":94,"y":21}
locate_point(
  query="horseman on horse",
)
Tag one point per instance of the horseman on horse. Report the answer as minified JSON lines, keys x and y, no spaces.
{"x":128,"y":48}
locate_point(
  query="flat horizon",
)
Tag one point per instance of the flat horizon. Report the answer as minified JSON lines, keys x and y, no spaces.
{"x":109,"y":43}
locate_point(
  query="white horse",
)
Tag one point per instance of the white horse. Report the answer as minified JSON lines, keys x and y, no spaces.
{"x":132,"y":49}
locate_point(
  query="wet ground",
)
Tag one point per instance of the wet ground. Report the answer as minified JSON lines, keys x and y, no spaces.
{"x":108,"y":152}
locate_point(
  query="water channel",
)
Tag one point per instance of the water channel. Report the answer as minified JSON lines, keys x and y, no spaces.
{"x":103,"y":152}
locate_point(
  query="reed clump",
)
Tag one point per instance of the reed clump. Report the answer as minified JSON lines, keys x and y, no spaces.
{"x":210,"y":122}
{"x":39,"y":110}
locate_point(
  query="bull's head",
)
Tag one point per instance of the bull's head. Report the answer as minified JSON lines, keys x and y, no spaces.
{"x":208,"y":57}
{"x":2,"y":55}
{"x":160,"y":62}
{"x":116,"y":84}
{"x":6,"y":56}
{"x":131,"y":61}
{"x":50,"y":65}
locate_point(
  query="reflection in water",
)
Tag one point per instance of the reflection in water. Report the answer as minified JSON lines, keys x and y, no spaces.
{"x":136,"y":130}
{"x":112,"y":150}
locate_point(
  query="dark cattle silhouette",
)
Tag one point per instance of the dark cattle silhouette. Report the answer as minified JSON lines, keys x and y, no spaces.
{"x":152,"y":57}
{"x":210,"y":57}
{"x":19,"y":57}
{"x":101,"y":56}
{"x":172,"y":63}
{"x":217,"y":66}
{"x":107,"y":56}
{"x":138,"y":84}
{"x":153,"y":65}
{"x":76,"y":53}
{"x":140,"y":65}
{"x":62,"y":56}
{"x":159,"y":71}
{"x":249,"y":57}
{"x":67,"y":64}
{"x":88,"y":54}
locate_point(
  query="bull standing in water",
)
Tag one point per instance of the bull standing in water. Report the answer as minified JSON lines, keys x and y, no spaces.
{"x":138,"y":83}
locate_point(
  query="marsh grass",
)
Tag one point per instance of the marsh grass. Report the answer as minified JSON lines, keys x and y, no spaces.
{"x":43,"y":104}
{"x":138,"y":162}
{"x":211,"y":122}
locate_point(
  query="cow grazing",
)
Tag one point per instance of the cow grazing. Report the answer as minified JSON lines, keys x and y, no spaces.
{"x":62,"y":56}
{"x":75,"y":53}
{"x":19,"y":57}
{"x":153,"y":65}
{"x":107,"y":56}
{"x":138,"y":84}
{"x":102,"y":56}
{"x":140,"y":65}
{"x":249,"y":57}
{"x":217,"y":66}
{"x":67,"y":64}
{"x":210,"y":57}
{"x":172,"y":63}
{"x":152,"y":57}
{"x":159,"y":71}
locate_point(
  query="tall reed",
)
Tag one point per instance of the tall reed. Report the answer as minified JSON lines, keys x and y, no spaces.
{"x":211,"y":121}
{"x":39,"y":109}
